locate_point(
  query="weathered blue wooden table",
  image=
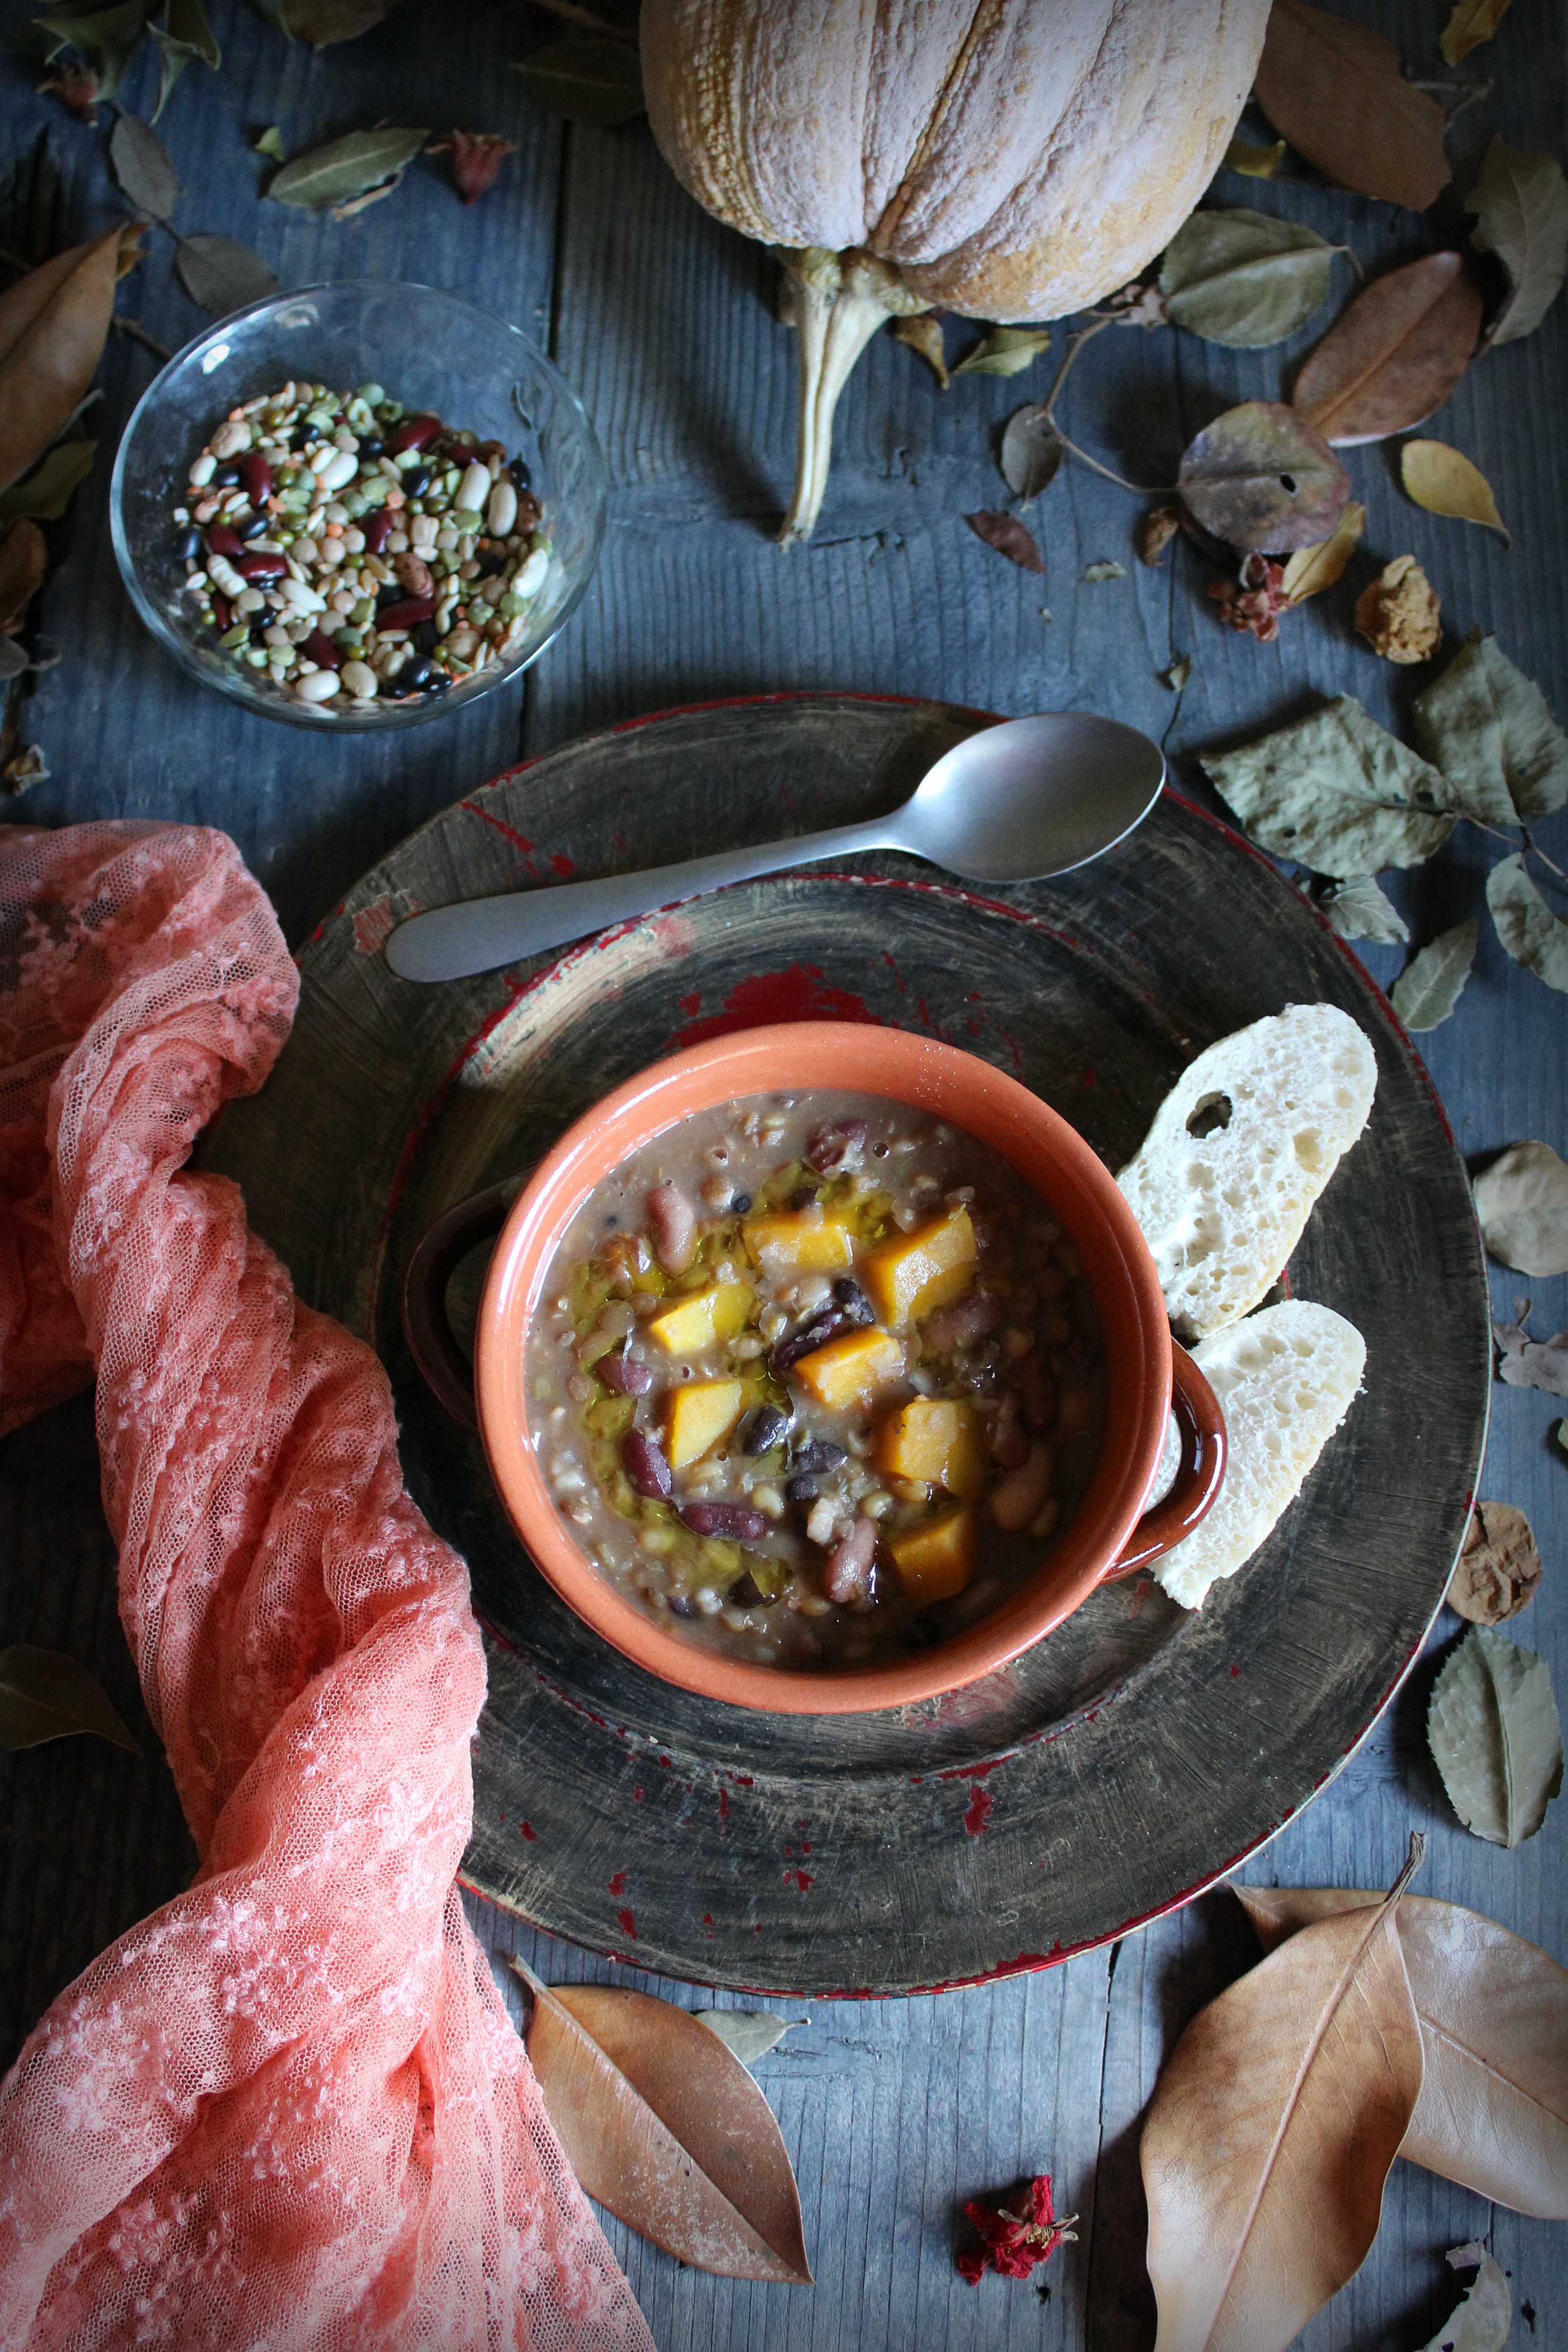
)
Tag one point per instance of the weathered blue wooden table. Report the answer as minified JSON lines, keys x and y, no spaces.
{"x":893,"y":2112}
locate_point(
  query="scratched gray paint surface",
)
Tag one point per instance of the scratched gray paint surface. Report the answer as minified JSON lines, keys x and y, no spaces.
{"x":894,"y":2112}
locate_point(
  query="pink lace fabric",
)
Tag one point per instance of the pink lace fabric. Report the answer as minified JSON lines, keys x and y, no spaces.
{"x":287,"y":2110}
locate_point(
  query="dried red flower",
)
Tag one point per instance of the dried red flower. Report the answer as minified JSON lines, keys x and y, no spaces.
{"x":1016,"y":2236}
{"x":477,"y":158}
{"x":76,"y":84}
{"x":1254,"y":603}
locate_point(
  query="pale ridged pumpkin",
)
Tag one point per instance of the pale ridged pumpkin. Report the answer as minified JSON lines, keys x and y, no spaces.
{"x":1012,"y":159}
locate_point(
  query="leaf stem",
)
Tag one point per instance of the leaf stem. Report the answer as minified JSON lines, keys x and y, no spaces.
{"x":1102,"y":319}
{"x":138,"y":334}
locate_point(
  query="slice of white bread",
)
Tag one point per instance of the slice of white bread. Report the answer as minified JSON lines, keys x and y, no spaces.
{"x":1222,"y":1211}
{"x":1285,"y":1379}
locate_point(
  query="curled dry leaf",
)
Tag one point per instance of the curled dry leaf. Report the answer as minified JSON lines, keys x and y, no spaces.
{"x":1335,"y":791}
{"x":1030,"y":452}
{"x":1006,"y":351}
{"x":663,"y":2124}
{"x":24,"y":560}
{"x":1521,"y":1200}
{"x":1495,"y":1737}
{"x":1520,"y":202}
{"x":597,"y":82}
{"x":1530,"y":931}
{"x":1262,"y":477}
{"x":1490,"y":728}
{"x":53,"y":325}
{"x":1472,"y":22}
{"x":922,"y":333}
{"x":18,"y":775}
{"x":1337,"y":93}
{"x":1155,"y":531}
{"x":1313,"y":569}
{"x":1486,"y":2310}
{"x":1254,"y":163}
{"x":1429,"y":987}
{"x":1397,"y":613}
{"x":45,"y":1695}
{"x":1358,"y":909}
{"x":1395,"y":353}
{"x":1527,"y":1363}
{"x":1271,"y":2132}
{"x":1243,"y":278}
{"x":221,"y":274}
{"x":1008,"y":536}
{"x":141,"y":164}
{"x":1445,"y":482}
{"x":347,"y":168}
{"x":1493,"y":2010}
{"x":1498,"y":1569}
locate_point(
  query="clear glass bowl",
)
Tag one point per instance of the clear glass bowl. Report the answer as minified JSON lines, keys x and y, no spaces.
{"x":430,"y":350}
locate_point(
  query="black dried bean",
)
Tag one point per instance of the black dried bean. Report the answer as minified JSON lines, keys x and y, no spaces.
{"x":680,"y":1606}
{"x":642,"y":1459}
{"x":746,"y":1593}
{"x":417,"y":479}
{"x":624,"y":1375}
{"x":802,"y":1490}
{"x":417,"y":673}
{"x":819,"y":1455}
{"x":254,"y":527}
{"x":741,"y":1203}
{"x":814,"y":1334}
{"x":519,"y":473}
{"x":857,"y":1306}
{"x":736,"y":1522}
{"x":225,"y":477}
{"x":803,"y":1196}
{"x":764,"y":1427}
{"x":423,"y":636}
{"x":188,"y":546}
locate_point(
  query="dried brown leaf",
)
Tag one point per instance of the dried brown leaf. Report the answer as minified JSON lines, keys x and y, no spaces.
{"x":1521,"y":1200}
{"x":1155,"y":531}
{"x":1444,"y":481}
{"x":1396,"y":353}
{"x":1004,"y":350}
{"x":1481,"y":2319}
{"x":46,"y":1694}
{"x":1493,"y":2010}
{"x":663,"y":2125}
{"x":53,"y":325}
{"x":921,"y":330}
{"x":1527,"y":1363}
{"x":1336,"y":92}
{"x":1008,"y":536}
{"x":1271,"y":2132}
{"x":1472,"y":22}
{"x":1260,"y":477}
{"x":1398,"y":613}
{"x":1497,"y":1572}
{"x":1030,"y":452}
{"x":24,"y":560}
{"x":1313,"y":569}
{"x":1521,"y":203}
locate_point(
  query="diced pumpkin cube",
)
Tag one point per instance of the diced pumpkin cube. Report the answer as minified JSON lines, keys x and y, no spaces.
{"x":914,"y":1274}
{"x":703,"y":1320}
{"x":936,"y":1560}
{"x":938,"y":1441}
{"x":699,"y":1416}
{"x":851,"y":1371}
{"x":818,"y":1244}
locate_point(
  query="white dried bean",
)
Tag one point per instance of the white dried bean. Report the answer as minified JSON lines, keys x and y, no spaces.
{"x":473,"y":489}
{"x":318,"y":686}
{"x":531,"y":577}
{"x":231,"y":438}
{"x":360,"y":681}
{"x":501,"y":511}
{"x":203,"y":469}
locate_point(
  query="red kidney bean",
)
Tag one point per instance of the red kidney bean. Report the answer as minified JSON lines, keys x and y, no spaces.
{"x":1037,"y":1390}
{"x":959,"y":1325}
{"x":322,"y":651}
{"x":1016,"y":1499}
{"x":642,"y":1459}
{"x":256,"y":475}
{"x":405,"y":615}
{"x":1006,"y":1444}
{"x":378,"y":529}
{"x":847,"y":1573}
{"x":623,"y":1375}
{"x":259,"y":568}
{"x":414,"y":433}
{"x":734,"y":1520}
{"x":222,"y":612}
{"x":223,"y":540}
{"x":828,"y":1147}
{"x":675,"y":1223}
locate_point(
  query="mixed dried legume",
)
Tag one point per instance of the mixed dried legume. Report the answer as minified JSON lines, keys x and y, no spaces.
{"x":348,"y":551}
{"x":815,"y":1380}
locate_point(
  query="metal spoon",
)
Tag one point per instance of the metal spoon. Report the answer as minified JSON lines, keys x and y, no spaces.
{"x":1014,"y":802}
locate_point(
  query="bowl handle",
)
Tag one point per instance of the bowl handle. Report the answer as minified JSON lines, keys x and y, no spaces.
{"x":433,"y":1344}
{"x":1199,"y":1474}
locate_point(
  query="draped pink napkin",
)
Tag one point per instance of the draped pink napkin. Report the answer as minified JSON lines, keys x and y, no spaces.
{"x":287,"y":2110}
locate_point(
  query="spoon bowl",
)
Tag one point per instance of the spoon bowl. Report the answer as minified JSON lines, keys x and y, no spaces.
{"x":1017,"y":802}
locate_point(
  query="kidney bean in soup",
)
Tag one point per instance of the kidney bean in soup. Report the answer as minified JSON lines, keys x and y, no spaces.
{"x":817,"y":1379}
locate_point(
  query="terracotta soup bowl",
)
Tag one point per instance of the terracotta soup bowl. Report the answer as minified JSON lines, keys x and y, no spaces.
{"x":1145,"y":1375}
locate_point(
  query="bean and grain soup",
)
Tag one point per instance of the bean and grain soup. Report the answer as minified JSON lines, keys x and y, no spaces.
{"x":816,"y":1378}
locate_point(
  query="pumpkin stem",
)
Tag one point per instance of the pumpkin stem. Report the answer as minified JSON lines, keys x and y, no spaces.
{"x":838,"y":302}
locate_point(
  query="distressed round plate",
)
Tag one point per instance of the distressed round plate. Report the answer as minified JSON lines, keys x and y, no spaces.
{"x":1139,"y":1752}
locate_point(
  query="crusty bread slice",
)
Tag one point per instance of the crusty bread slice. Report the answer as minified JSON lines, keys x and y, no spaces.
{"x":1221,"y":1211}
{"x":1285,"y":1379}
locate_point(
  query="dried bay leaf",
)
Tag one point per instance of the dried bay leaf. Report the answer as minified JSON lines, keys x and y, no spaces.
{"x":1497,"y":1568}
{"x":921,"y":330}
{"x":1530,"y":931}
{"x":53,"y":325}
{"x":1521,"y":203}
{"x":1445,"y":482}
{"x":141,"y":164}
{"x":1358,"y":909}
{"x":1335,"y":791}
{"x":1336,"y":92}
{"x":1493,"y":2010}
{"x":1395,"y":353}
{"x":1427,"y":989}
{"x":1008,"y":536}
{"x":1261,"y":478}
{"x":346,"y":168}
{"x":222,"y":274}
{"x":1271,"y":2132}
{"x":1485,"y":2313}
{"x":24,"y":560}
{"x":1527,"y":1363}
{"x":665,"y":2128}
{"x":1006,"y":351}
{"x":1254,"y":163}
{"x":596,"y":81}
{"x":45,"y":1695}
{"x":1030,"y":454}
{"x":1313,"y":569}
{"x":1105,"y":569}
{"x":1490,"y":730}
{"x":1243,"y":278}
{"x":270,"y":143}
{"x":750,"y":2033}
{"x":1495,"y":1737}
{"x":1521,"y":1200}
{"x":1472,"y":22}
{"x":49,"y":488}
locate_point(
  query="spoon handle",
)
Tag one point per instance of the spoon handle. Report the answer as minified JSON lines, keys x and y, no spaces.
{"x":477,"y":934}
